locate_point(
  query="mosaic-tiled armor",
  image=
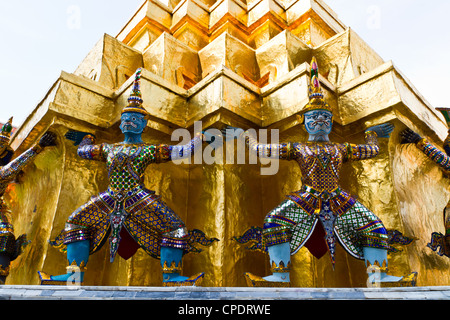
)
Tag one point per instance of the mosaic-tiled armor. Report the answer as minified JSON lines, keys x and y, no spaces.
{"x":439,"y":242}
{"x":127,"y":203}
{"x":127,"y":214}
{"x":322,"y":213}
{"x":10,"y":246}
{"x":321,"y":199}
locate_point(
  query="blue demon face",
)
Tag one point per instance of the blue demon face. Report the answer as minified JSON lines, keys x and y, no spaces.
{"x":318,"y":122}
{"x":133,"y":123}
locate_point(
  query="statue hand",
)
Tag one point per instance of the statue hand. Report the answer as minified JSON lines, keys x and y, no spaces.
{"x":76,"y":136}
{"x":48,"y":140}
{"x":231,"y":133}
{"x":409,"y":136}
{"x":382,"y":130}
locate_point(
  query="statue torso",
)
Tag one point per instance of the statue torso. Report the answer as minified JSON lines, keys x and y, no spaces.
{"x":126,"y":164}
{"x":320,"y":164}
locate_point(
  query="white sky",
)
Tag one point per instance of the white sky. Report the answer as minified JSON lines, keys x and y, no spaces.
{"x":39,"y":39}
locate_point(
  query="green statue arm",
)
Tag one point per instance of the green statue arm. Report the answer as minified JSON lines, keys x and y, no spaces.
{"x":356,"y":152}
{"x":282,"y":151}
{"x":430,"y":150}
{"x":434,"y":154}
{"x":87,"y":149}
{"x":371,"y":148}
{"x":12,"y":169}
{"x":165,"y":153}
{"x":447,"y":145}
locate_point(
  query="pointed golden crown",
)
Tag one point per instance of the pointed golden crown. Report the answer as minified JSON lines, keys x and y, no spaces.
{"x":135,"y":99}
{"x":316,"y":97}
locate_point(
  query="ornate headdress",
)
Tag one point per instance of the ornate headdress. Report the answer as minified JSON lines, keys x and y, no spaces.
{"x":316,"y":97}
{"x":5,"y":136}
{"x":135,"y":99}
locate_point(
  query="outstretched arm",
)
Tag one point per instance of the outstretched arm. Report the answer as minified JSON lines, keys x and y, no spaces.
{"x":371,"y":148}
{"x":87,"y":149}
{"x":164,"y":152}
{"x":10,"y":171}
{"x":179,"y":152}
{"x":283,"y":151}
{"x":431,"y":151}
{"x":447,"y":145}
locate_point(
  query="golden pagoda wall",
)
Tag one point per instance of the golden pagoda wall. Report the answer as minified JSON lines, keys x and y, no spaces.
{"x":244,"y":65}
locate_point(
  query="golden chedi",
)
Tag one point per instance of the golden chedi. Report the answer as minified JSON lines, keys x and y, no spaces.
{"x":240,"y":64}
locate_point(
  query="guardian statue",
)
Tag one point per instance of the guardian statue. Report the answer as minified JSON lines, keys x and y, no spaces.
{"x":322,"y":214}
{"x":127,"y":215}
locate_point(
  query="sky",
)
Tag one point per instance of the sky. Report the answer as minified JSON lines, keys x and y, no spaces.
{"x":39,"y":39}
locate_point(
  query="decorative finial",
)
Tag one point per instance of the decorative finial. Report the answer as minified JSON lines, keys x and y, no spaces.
{"x":316,"y":96}
{"x":314,"y":68}
{"x":135,"y":99}
{"x":5,"y":136}
{"x":7,"y":127}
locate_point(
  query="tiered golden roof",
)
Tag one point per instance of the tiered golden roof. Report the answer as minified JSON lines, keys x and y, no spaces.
{"x":198,"y":22}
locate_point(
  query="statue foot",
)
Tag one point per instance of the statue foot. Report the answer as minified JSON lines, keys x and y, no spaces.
{"x":387,"y":281}
{"x":278,"y":277}
{"x":275,"y":280}
{"x":63,"y":279}
{"x":175,"y":280}
{"x":173,"y":277}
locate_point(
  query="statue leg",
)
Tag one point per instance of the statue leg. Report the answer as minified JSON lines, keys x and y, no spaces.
{"x":171,"y":264}
{"x":77,"y":243}
{"x":277,"y":232}
{"x":11,"y":247}
{"x":377,"y":262}
{"x":446,"y":240}
{"x":280,"y":257}
{"x":441,"y":242}
{"x":77,"y":258}
{"x":372,"y":245}
{"x":377,"y":270}
{"x":84,"y":231}
{"x":174,"y":245}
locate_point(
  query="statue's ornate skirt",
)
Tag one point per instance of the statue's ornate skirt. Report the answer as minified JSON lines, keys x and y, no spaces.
{"x":355,"y":229}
